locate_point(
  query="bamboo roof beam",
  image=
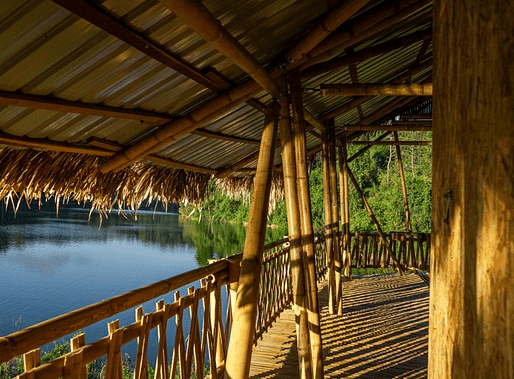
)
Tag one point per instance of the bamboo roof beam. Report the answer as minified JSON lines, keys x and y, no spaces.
{"x":198,"y":17}
{"x":396,"y":128}
{"x":363,"y":28}
{"x":224,"y":137}
{"x":327,"y":25}
{"x":364,"y":149}
{"x":366,"y":53}
{"x":379,"y":89}
{"x":48,"y":145}
{"x":393,"y":143}
{"x":110,"y":24}
{"x":160,"y":161}
{"x":416,"y":117}
{"x":18,"y":99}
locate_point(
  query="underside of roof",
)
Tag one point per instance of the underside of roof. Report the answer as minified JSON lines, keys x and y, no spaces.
{"x":83,"y":81}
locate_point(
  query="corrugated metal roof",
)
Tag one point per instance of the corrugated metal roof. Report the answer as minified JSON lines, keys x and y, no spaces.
{"x":46,"y":50}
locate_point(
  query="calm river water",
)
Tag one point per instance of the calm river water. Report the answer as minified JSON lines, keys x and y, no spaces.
{"x":51,"y":265}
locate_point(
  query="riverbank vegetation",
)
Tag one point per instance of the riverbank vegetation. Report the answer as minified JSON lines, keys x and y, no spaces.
{"x":378,"y":175}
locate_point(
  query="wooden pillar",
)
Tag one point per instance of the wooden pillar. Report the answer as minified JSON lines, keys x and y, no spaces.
{"x":397,"y":264}
{"x":294,"y":227}
{"x":345,"y":209}
{"x":404,"y":186}
{"x":243,"y":327}
{"x":306,"y":223}
{"x":328,"y":224}
{"x":471,"y":329}
{"x":335,"y":223}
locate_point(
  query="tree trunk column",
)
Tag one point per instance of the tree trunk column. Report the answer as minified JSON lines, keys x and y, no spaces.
{"x":306,"y":219}
{"x":471,"y":329}
{"x":243,"y":326}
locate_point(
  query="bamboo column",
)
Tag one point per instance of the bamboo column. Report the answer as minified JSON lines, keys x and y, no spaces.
{"x":306,"y":226}
{"x":404,"y":187}
{"x":345,"y":207}
{"x":375,"y":222}
{"x":294,"y":227}
{"x":243,"y":327}
{"x":328,"y":223}
{"x":335,"y":224}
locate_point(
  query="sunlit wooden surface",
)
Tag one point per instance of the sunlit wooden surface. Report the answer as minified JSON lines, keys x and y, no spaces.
{"x":382,"y":334}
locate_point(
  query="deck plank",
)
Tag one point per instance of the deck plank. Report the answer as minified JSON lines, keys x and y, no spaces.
{"x":382,"y":334}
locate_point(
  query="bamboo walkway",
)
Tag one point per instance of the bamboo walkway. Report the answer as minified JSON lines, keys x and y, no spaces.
{"x":382,"y":334}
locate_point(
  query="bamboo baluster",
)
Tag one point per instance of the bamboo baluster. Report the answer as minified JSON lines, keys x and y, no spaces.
{"x":192,"y":351}
{"x":335,"y":222}
{"x":414,"y":261}
{"x":243,"y":328}
{"x":114,"y":366}
{"x":233,"y":269}
{"x":404,"y":186}
{"x":141,"y":369}
{"x":208,"y":326}
{"x":31,"y":360}
{"x":161,"y":362}
{"x":179,"y":351}
{"x":306,"y":223}
{"x":356,"y":251}
{"x":75,"y":344}
{"x":328,"y":225}
{"x":345,"y":209}
{"x":375,"y":222}
{"x":217,"y":325}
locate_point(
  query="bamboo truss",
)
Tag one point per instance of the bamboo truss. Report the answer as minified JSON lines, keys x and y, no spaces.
{"x":406,"y":89}
{"x":330,"y":22}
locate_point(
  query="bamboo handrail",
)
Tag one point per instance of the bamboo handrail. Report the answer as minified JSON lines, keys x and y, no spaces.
{"x":47,"y":331}
{"x":410,"y":127}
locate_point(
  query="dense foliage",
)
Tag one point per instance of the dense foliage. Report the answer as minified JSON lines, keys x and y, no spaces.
{"x":378,"y":175}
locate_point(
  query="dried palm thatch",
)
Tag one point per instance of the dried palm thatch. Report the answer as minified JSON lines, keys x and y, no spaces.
{"x":28,"y":174}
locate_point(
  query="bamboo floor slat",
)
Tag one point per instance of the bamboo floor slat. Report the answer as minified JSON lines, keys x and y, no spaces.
{"x":382,"y":334}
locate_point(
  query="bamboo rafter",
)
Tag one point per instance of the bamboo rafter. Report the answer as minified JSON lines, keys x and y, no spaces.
{"x":372,"y":89}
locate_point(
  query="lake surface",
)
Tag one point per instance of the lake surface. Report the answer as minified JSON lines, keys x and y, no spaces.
{"x":51,"y":265}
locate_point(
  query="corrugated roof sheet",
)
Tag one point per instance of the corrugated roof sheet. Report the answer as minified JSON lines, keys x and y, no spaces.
{"x":46,"y":50}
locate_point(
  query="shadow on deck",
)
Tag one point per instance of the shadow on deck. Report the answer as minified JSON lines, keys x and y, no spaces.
{"x":382,"y":334}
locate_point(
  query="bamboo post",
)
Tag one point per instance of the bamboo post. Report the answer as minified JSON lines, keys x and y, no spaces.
{"x":345,"y":208}
{"x":404,"y":186}
{"x":335,"y":223}
{"x":306,"y":223}
{"x":294,"y":228}
{"x":114,"y":365}
{"x":375,"y":222}
{"x":31,"y":360}
{"x":328,"y":224}
{"x":243,"y":327}
{"x":76,"y":343}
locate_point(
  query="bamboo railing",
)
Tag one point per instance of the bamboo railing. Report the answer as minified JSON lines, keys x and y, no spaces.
{"x":412,"y":250}
{"x":202,"y":318}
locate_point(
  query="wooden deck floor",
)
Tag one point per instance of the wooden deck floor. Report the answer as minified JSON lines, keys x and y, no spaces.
{"x":382,"y":334}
